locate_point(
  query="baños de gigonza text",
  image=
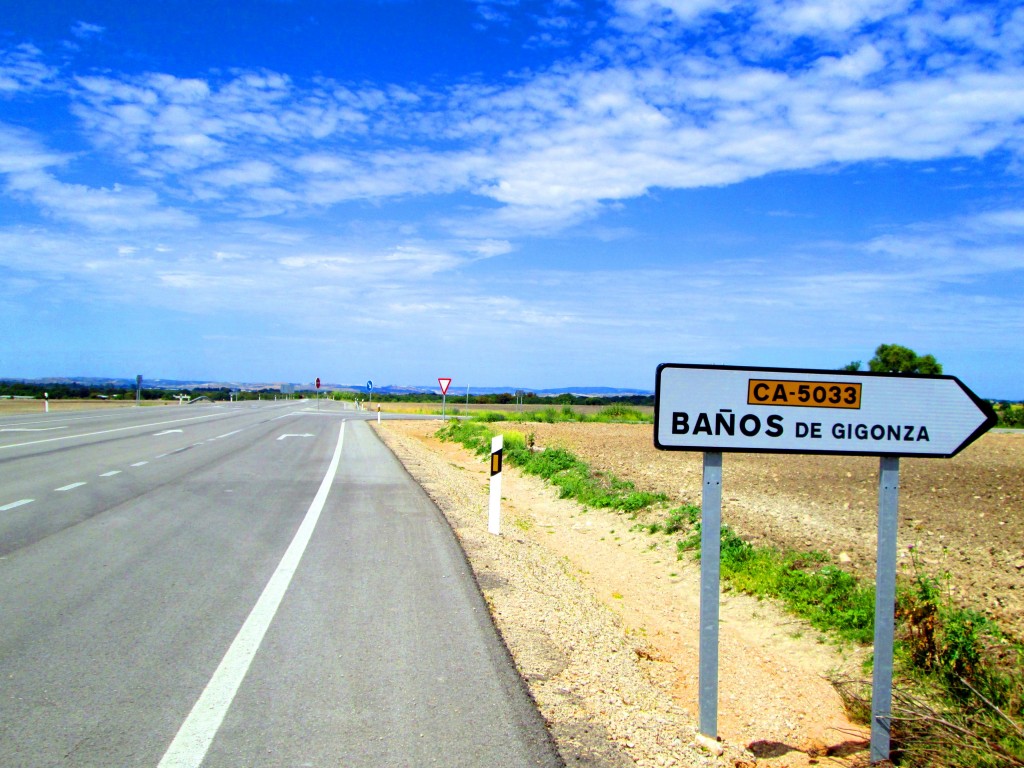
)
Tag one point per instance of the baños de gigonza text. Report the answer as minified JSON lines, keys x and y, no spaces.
{"x":725,"y":422}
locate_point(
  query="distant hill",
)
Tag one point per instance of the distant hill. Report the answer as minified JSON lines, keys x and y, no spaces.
{"x":390,"y":389}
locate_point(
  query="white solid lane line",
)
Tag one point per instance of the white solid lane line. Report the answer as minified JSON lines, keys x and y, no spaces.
{"x":193,"y":739}
{"x":18,"y":503}
{"x":30,"y":429}
{"x":69,"y":487}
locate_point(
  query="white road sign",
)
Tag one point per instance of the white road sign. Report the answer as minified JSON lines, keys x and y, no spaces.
{"x":765,"y":410}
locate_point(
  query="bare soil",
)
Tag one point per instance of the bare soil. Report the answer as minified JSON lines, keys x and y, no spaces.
{"x":962,"y":516}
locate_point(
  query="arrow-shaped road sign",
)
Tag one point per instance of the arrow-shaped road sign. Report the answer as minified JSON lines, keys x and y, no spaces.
{"x":764,"y":410}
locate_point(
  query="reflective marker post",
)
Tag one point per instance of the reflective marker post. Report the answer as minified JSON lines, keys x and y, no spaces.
{"x":494,"y":506}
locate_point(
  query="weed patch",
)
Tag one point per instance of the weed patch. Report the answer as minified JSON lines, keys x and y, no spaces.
{"x":573,"y":477}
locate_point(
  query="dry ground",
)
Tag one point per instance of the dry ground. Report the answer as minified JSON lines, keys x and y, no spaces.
{"x":963,"y":516}
{"x":65,"y":405}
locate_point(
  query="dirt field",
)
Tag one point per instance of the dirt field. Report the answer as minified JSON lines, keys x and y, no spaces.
{"x":963,"y":516}
{"x":39,"y":406}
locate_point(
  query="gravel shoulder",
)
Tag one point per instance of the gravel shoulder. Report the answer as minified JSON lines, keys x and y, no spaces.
{"x":603,"y":625}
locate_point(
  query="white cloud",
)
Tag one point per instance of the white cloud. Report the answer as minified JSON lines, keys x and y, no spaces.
{"x":248,"y":173}
{"x":27,"y":169}
{"x":21,"y":153}
{"x":22,"y":70}
{"x":556,"y":146}
{"x":103,"y":208}
{"x":84,"y":30}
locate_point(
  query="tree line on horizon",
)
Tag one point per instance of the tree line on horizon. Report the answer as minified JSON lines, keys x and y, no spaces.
{"x":888,"y":358}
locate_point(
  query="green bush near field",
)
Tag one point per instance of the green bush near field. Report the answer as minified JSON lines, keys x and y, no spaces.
{"x":573,"y":477}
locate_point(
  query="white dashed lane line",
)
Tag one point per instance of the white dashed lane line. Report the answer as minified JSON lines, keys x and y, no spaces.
{"x":111,"y":473}
{"x":18,"y":503}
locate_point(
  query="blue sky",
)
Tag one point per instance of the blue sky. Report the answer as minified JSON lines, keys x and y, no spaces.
{"x":539,"y":194}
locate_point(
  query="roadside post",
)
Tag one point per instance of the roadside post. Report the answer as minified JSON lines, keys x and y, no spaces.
{"x":369,"y":389}
{"x":138,"y":389}
{"x":716,"y":409}
{"x":445,"y":383}
{"x":494,"y":507}
{"x":46,"y":402}
{"x":318,"y":394}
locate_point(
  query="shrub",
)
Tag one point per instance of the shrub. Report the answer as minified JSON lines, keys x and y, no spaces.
{"x":620,"y":413}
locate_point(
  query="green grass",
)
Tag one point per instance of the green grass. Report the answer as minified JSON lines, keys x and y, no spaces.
{"x":573,"y":477}
{"x":804,"y":582}
{"x":609,"y":414}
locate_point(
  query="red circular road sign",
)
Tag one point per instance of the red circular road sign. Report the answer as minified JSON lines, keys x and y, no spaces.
{"x":318,"y":382}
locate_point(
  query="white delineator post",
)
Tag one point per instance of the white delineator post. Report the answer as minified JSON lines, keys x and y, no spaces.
{"x":494,"y":508}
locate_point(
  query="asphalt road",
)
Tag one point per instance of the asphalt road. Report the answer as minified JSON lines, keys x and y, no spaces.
{"x":245,"y":585}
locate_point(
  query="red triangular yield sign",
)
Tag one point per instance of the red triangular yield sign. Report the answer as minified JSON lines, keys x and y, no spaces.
{"x":445,"y":383}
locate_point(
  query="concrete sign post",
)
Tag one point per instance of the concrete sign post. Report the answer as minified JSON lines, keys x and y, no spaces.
{"x":763,"y":410}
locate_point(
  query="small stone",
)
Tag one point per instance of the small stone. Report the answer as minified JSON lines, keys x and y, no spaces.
{"x":710,"y":744}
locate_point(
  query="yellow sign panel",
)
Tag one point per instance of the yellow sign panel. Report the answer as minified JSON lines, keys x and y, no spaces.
{"x":804,"y":394}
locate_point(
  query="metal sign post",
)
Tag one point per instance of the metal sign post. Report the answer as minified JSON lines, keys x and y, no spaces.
{"x":885,"y":602}
{"x":761,"y":410}
{"x":710,"y":575}
{"x":445,"y":383}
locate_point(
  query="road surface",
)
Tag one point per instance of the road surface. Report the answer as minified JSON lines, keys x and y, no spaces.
{"x":239,"y":585}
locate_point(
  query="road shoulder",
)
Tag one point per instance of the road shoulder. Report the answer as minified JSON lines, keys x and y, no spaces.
{"x":604,"y":630}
